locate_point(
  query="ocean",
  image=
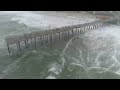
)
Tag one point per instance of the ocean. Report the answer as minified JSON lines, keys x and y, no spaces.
{"x":90,"y":55}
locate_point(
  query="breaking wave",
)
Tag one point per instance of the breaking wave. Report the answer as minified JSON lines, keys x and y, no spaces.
{"x":96,"y":53}
{"x":44,"y":20}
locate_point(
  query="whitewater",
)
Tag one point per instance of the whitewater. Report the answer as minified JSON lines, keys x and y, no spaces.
{"x":91,"y":55}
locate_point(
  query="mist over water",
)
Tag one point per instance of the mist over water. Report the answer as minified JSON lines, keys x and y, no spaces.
{"x":94,"y":54}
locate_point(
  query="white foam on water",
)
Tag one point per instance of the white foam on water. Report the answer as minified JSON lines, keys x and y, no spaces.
{"x":102,"y":50}
{"x":51,"y":77}
{"x":54,"y":69}
{"x":31,"y":19}
{"x":111,"y":63}
{"x":41,"y":20}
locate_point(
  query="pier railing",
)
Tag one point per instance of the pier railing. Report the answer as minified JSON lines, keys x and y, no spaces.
{"x":51,"y":34}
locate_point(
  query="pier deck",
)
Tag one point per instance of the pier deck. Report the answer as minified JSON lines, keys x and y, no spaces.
{"x":49,"y":35}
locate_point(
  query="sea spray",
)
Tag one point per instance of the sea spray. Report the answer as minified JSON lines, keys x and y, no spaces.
{"x":95,"y":50}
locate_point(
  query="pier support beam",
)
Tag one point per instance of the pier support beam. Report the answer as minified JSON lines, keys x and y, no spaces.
{"x":8,"y":48}
{"x":35,"y":42}
{"x":52,"y":35}
{"x":18,"y":46}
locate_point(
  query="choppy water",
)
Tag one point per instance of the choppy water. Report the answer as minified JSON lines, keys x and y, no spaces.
{"x":94,"y":54}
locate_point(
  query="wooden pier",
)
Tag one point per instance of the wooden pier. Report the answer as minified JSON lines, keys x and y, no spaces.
{"x":50,"y":35}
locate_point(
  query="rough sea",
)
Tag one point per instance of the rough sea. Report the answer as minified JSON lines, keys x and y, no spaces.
{"x":90,"y":55}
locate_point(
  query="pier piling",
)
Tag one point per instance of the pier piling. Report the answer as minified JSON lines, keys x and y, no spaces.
{"x":53,"y":35}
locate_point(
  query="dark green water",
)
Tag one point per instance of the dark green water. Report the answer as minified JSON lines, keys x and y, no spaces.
{"x":32,"y":64}
{"x":92,"y":55}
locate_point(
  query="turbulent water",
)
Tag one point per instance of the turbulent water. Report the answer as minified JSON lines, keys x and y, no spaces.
{"x":92,"y":55}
